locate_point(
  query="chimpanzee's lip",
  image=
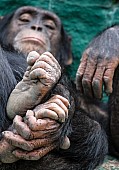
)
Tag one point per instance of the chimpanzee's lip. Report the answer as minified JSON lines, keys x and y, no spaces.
{"x":33,"y":39}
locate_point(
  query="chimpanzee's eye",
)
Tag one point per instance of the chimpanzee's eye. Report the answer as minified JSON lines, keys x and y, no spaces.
{"x":50,"y":24}
{"x":25,"y":17}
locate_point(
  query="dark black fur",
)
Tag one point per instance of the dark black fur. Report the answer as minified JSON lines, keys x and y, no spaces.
{"x":114,"y":116}
{"x":88,"y":138}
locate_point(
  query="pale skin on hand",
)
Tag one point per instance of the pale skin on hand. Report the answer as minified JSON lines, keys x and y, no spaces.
{"x":34,"y":130}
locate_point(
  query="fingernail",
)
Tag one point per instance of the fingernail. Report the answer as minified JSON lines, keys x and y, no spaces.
{"x":62,"y":120}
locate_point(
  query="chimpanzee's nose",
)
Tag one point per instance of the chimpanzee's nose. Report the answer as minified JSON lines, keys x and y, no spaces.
{"x":36,"y":27}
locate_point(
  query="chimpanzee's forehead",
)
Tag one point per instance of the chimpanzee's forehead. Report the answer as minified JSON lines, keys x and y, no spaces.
{"x":37,"y":10}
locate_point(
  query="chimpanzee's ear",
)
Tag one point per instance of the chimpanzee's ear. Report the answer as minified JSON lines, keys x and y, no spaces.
{"x":66,"y":48}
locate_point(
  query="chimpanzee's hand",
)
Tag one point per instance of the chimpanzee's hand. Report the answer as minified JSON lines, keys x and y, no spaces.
{"x":36,"y":137}
{"x":30,"y":145}
{"x":98,"y":64}
{"x":42,"y":74}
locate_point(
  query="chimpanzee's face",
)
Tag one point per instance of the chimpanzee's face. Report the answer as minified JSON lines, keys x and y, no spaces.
{"x":34,"y":29}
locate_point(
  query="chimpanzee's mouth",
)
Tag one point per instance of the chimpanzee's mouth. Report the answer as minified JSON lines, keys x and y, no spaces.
{"x":33,"y":39}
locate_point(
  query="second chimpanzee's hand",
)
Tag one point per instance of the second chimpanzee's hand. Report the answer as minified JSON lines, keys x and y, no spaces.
{"x":98,"y":64}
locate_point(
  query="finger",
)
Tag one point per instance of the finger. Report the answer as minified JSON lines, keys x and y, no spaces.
{"x":108,"y":80}
{"x":38,"y":74}
{"x":57,"y":109}
{"x":14,"y":139}
{"x":43,"y":65}
{"x":19,"y":142}
{"x":34,"y":155}
{"x":32,"y":57}
{"x":88,"y":75}
{"x":49,"y":58}
{"x":108,"y":76}
{"x":30,"y":113}
{"x":52,"y":111}
{"x":46,"y":113}
{"x":80,"y":72}
{"x":66,"y":143}
{"x":98,"y":81}
{"x":63,"y":99}
{"x":30,"y":119}
{"x":60,"y":104}
{"x":21,"y":127}
{"x":53,"y":64}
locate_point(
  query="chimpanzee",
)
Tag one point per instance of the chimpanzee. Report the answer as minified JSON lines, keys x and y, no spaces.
{"x":98,"y":67}
{"x":56,"y":115}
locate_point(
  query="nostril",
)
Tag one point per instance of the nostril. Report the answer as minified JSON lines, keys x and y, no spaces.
{"x":33,"y":27}
{"x":39,"y":29}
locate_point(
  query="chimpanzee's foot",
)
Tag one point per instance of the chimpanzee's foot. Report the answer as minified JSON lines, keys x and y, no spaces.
{"x":41,"y":75}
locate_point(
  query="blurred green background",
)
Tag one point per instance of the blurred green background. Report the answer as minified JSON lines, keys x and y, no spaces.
{"x":83,"y":20}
